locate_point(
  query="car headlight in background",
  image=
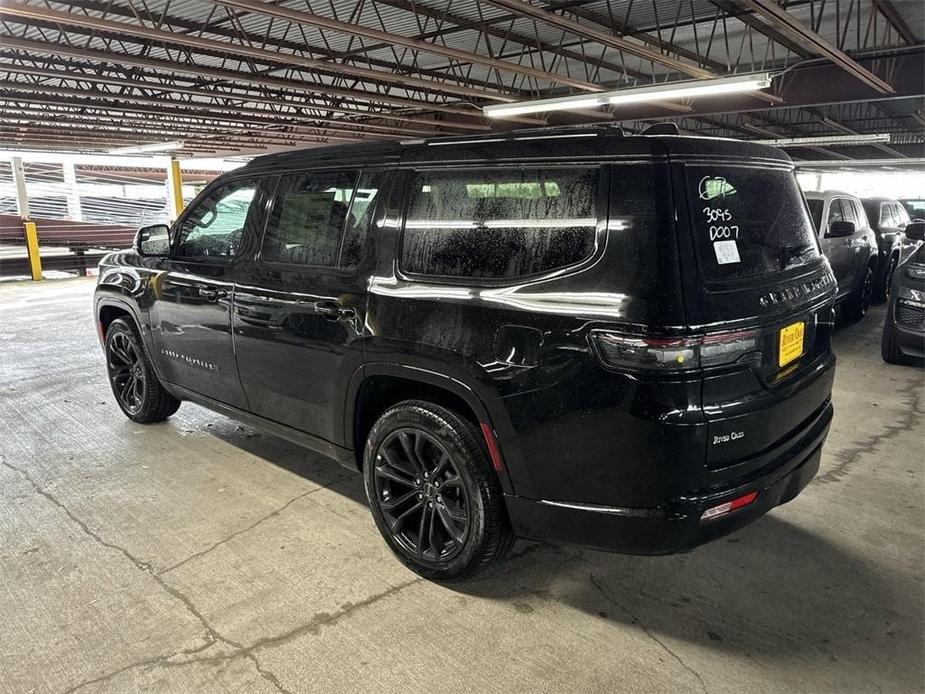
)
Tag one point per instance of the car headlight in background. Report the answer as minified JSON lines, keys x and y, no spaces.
{"x":914,"y":271}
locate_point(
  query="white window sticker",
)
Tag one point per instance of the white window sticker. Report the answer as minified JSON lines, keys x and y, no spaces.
{"x":726,"y":252}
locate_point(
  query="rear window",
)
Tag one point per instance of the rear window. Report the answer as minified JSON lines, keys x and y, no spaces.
{"x":499,"y":224}
{"x":748,"y":222}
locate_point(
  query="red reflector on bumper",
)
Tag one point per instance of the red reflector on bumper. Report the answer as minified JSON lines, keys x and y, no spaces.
{"x":729,"y":506}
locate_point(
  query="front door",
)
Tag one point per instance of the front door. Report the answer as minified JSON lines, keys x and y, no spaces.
{"x":839,"y":250}
{"x":300,"y":308}
{"x":191,"y":313}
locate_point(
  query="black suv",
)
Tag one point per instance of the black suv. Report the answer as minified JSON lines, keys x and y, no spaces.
{"x":889,"y":219}
{"x":566,"y":335}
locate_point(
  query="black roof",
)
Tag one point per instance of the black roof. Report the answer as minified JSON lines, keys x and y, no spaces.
{"x":557,"y":144}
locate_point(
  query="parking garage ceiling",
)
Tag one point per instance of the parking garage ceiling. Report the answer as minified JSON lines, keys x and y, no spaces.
{"x":249,"y":76}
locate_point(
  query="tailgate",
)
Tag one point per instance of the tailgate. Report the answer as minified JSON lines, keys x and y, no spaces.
{"x":760,"y":404}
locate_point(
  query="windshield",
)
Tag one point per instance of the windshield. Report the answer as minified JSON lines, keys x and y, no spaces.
{"x":748,"y":222}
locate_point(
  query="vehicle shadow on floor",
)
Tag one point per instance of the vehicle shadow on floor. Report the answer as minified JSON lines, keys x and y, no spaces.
{"x":773,"y":587}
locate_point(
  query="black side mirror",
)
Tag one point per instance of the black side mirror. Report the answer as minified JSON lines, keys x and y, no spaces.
{"x":915,"y":231}
{"x":153,"y":240}
{"x":840,"y":229}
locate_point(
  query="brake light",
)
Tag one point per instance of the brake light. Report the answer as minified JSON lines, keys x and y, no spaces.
{"x":729,"y":506}
{"x":673,"y":354}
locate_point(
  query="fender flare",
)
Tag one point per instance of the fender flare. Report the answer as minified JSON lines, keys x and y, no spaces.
{"x":495,"y":416}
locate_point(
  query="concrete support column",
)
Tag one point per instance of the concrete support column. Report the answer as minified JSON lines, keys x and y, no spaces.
{"x":73,"y":195}
{"x":19,"y":179}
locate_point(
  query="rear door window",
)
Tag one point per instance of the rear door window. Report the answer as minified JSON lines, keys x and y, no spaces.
{"x":499,"y":224}
{"x":886,"y":215}
{"x":748,"y":222}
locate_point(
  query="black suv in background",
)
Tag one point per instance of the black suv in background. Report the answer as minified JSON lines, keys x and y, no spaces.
{"x":567,"y":335}
{"x":903,"y":339}
{"x":889,"y":219}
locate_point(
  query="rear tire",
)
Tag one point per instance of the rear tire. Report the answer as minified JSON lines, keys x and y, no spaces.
{"x":433,"y":493}
{"x":889,"y":345}
{"x":882,"y":291}
{"x":855,"y":307}
{"x":136,"y":387}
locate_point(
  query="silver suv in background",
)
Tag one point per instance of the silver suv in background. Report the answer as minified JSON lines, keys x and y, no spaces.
{"x":849,"y":243}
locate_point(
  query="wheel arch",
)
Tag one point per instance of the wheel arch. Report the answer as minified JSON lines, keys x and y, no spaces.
{"x":375,"y":387}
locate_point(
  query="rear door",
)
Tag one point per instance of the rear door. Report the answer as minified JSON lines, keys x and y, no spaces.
{"x":300,"y":304}
{"x":191,"y":311}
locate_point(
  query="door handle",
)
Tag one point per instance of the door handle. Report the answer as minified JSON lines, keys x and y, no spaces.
{"x":333,"y":310}
{"x":211,"y":294}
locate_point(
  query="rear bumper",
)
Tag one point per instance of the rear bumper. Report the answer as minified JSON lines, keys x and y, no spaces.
{"x":676,"y":525}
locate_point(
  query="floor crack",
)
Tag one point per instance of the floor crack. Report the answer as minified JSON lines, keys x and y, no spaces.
{"x":250,"y":527}
{"x":211,"y":635}
{"x":849,"y":456}
{"x":647,"y":631}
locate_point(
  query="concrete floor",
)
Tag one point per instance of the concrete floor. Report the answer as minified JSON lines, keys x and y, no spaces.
{"x":199,"y":555}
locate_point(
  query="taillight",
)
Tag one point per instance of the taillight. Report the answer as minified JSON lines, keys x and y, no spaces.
{"x":673,"y":354}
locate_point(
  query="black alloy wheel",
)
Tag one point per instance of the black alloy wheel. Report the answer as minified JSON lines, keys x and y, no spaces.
{"x":433,"y":491}
{"x":421,"y":495}
{"x":134,"y":382}
{"x":126,"y":372}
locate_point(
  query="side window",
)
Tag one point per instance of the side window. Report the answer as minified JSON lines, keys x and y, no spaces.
{"x":886,"y":215}
{"x":902,"y":217}
{"x":362,"y":211}
{"x":215,"y":226}
{"x":499,"y":224}
{"x":306,"y":225}
{"x":849,"y":212}
{"x":860,"y":214}
{"x":835,"y":211}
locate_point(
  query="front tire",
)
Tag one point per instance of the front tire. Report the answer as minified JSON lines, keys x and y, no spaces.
{"x":889,"y":345}
{"x":855,"y":307}
{"x":433,"y":493}
{"x":882,"y":292}
{"x":138,"y":392}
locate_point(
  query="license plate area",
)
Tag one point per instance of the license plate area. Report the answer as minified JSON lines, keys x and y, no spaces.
{"x":790,"y":343}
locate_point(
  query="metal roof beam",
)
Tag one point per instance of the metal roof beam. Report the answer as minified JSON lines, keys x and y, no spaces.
{"x":20,"y":11}
{"x":138,"y":84}
{"x":525,"y":9}
{"x":123,"y":59}
{"x":312,"y":19}
{"x":775,"y":16}
{"x":888,"y":10}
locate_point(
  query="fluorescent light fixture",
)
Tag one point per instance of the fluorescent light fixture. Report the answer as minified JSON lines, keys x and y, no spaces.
{"x":139,"y":149}
{"x":656,"y":92}
{"x":827,"y":141}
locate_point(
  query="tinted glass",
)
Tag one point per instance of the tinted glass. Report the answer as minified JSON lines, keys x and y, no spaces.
{"x":886,"y":215}
{"x":215,"y":226}
{"x":915,"y":208}
{"x":308,"y":218}
{"x":815,"y":209}
{"x":362,"y":211}
{"x":849,"y":212}
{"x":748,"y":221}
{"x":860,"y":214}
{"x":836,"y":212}
{"x":499,"y":224}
